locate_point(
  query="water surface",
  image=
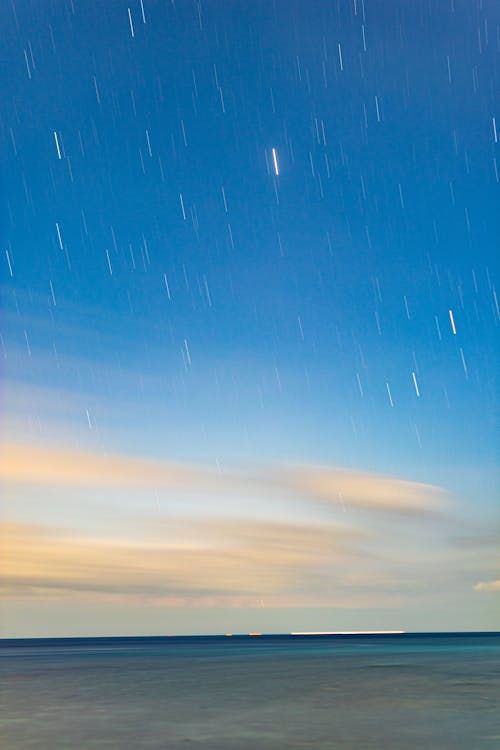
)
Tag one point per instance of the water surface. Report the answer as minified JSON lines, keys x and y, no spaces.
{"x":269,"y":692}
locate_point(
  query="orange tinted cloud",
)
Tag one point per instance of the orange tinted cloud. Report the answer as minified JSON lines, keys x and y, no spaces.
{"x":315,"y":484}
{"x":27,"y":464}
{"x":237,"y":558}
{"x":487,"y":586}
{"x":364,"y":490}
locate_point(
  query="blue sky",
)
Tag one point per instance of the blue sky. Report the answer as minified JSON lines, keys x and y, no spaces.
{"x":257,"y":242}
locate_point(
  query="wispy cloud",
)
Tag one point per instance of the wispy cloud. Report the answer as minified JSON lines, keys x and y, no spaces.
{"x":313,"y":484}
{"x":235,"y":552}
{"x":364,"y":490}
{"x":487,"y":586}
{"x":57,"y":466}
{"x":235,"y":559}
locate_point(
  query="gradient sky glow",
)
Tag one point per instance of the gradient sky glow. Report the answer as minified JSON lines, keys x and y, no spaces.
{"x":250,"y":313}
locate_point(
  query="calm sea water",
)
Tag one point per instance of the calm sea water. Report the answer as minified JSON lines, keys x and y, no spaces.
{"x":266,"y":693}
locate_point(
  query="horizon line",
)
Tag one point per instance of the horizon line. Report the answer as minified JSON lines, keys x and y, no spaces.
{"x":341,"y":633}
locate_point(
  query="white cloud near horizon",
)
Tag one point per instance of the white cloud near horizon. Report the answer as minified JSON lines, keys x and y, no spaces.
{"x":487,"y":586}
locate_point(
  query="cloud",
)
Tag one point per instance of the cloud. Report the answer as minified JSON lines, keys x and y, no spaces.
{"x":487,"y":586}
{"x":177,"y":559}
{"x":58,"y":466}
{"x":477,"y":539}
{"x":314,"y":484}
{"x":237,"y":558}
{"x":364,"y":490}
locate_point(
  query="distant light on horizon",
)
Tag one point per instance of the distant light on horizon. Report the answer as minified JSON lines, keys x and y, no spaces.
{"x":350,"y":632}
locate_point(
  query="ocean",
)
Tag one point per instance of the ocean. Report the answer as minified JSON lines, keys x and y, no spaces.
{"x":411,"y":691}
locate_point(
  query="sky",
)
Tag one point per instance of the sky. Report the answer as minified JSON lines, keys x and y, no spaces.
{"x":249,"y":316}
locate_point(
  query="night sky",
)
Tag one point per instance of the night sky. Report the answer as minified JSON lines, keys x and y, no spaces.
{"x":250,"y":310}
